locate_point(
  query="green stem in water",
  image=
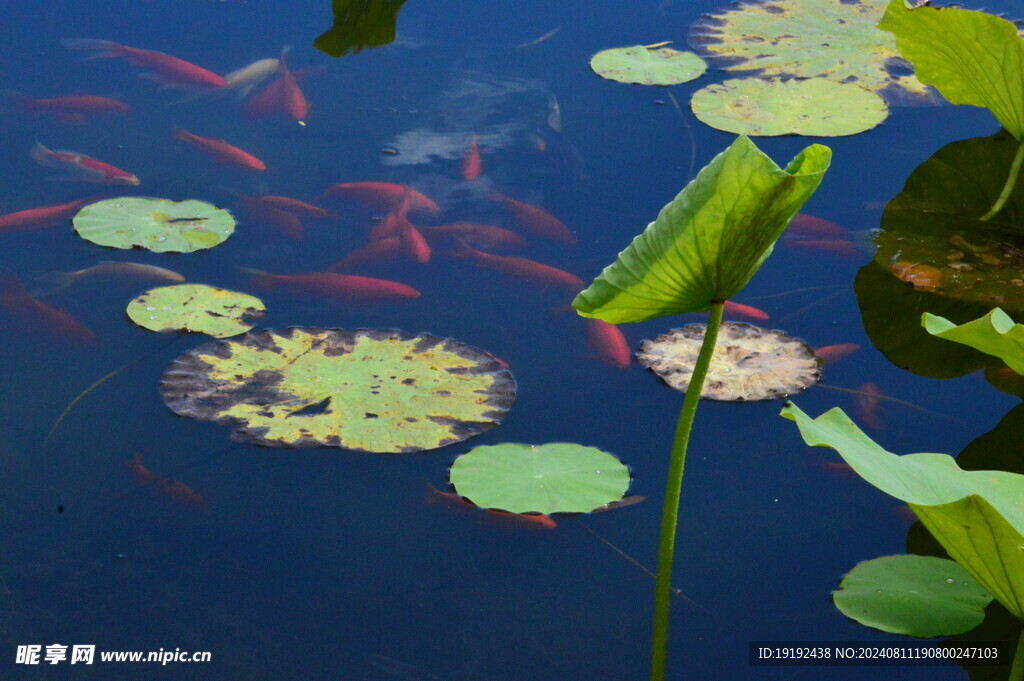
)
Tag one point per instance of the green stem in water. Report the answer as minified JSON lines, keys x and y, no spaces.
{"x":673,"y":490}
{"x":1017,"y":670}
{"x":1011,"y":182}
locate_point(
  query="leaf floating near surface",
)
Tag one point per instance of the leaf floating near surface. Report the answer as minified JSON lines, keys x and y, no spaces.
{"x":382,"y":391}
{"x":159,"y":225}
{"x":196,"y":307}
{"x":834,"y":39}
{"x":559,"y":477}
{"x":644,"y":66}
{"x":749,"y":363}
{"x":816,"y":107}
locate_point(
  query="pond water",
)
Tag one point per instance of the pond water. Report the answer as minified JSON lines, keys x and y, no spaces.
{"x":328,"y":564}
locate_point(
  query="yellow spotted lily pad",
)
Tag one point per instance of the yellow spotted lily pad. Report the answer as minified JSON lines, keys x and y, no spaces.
{"x":383,"y":391}
{"x":644,"y":66}
{"x":749,"y":363}
{"x":816,"y":107}
{"x":196,"y":307}
{"x":835,"y":39}
{"x":159,"y":225}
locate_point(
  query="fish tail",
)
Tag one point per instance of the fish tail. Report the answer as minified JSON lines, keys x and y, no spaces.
{"x":102,"y":49}
{"x":41,"y":154}
{"x":463,"y":250}
{"x":180,"y":135}
{"x":260,"y":279}
{"x":51,"y":283}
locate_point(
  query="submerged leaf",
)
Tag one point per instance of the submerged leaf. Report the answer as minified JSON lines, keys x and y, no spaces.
{"x":559,"y":477}
{"x":644,"y":66}
{"x":710,"y":240}
{"x":196,"y":307}
{"x":159,"y":225}
{"x":816,"y":107}
{"x":366,"y":390}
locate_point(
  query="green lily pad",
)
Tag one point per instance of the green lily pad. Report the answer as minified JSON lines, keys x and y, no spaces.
{"x":834,"y":39}
{"x":559,"y":477}
{"x":816,"y":107}
{"x":159,"y":225}
{"x":638,"y":64}
{"x":196,"y":307}
{"x":994,"y":334}
{"x":710,"y":240}
{"x":977,"y":516}
{"x":365,"y":390}
{"x":970,"y":57}
{"x":919,"y":596}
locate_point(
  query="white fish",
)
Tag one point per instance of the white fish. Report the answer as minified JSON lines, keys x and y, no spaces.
{"x":81,"y":167}
{"x":53,"y":282}
{"x":245,"y":79}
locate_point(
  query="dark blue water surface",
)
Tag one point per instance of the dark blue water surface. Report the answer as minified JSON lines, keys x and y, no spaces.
{"x":327,"y":564}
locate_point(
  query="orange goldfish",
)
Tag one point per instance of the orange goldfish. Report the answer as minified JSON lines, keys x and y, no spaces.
{"x":866,"y":405}
{"x":162,"y":68}
{"x":830,"y":354}
{"x":840,"y":247}
{"x":284,"y":94}
{"x":14,"y":299}
{"x":42,"y":217}
{"x":174,"y":490}
{"x":478,"y":236}
{"x":608,"y":343}
{"x":70,"y":109}
{"x":471,"y":165}
{"x":381,"y":249}
{"x":221,"y":150}
{"x":738,"y":310}
{"x":383,"y":195}
{"x":451,"y":500}
{"x":535,"y":220}
{"x":809,"y":226}
{"x":347,"y":287}
{"x":519,"y":267}
{"x":81,"y":167}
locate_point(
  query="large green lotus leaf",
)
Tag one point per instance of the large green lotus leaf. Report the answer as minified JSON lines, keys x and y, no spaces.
{"x":835,"y":39}
{"x":644,"y":66}
{"x":816,"y":107}
{"x":710,"y":240}
{"x":159,"y":225}
{"x":919,"y":596}
{"x":366,"y":390}
{"x":559,"y":477}
{"x":970,"y":57}
{"x":359,"y":24}
{"x":993,"y":334}
{"x":977,"y":516}
{"x":196,"y":307}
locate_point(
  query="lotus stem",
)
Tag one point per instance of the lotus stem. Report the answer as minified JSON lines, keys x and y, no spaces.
{"x":1017,"y":669}
{"x":673,"y":491}
{"x":1011,"y":182}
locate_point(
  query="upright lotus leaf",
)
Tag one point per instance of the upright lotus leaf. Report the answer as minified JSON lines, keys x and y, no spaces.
{"x":197,"y":308}
{"x":816,"y":107}
{"x":366,"y":390}
{"x":993,"y":334}
{"x":644,"y":66}
{"x":159,"y":225}
{"x":919,"y":596}
{"x":559,"y":477}
{"x":834,"y":39}
{"x":709,"y":241}
{"x":977,"y":516}
{"x":970,"y":57}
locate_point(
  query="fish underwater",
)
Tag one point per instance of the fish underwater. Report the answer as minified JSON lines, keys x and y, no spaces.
{"x":534,"y":521}
{"x":608,"y":343}
{"x":471,"y":164}
{"x":162,"y":68}
{"x":535,"y":220}
{"x":80,"y":167}
{"x":227,"y":154}
{"x":347,"y":287}
{"x":69,"y":109}
{"x":43,"y":217}
{"x":37,"y":316}
{"x":244,"y":80}
{"x":173,"y":490}
{"x":521,"y":268}
{"x":383,"y":196}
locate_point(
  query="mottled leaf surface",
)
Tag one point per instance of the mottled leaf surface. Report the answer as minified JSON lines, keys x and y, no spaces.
{"x":197,"y":308}
{"x":159,"y":225}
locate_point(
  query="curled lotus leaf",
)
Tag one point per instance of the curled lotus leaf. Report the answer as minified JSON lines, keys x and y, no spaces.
{"x":382,"y":391}
{"x":638,"y":64}
{"x":196,"y":307}
{"x":834,"y":39}
{"x":558,"y":477}
{"x":816,"y":107}
{"x":749,"y":363}
{"x":159,"y":225}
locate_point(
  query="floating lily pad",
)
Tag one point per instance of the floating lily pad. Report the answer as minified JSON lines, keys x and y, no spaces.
{"x":558,"y":477}
{"x":835,"y":39}
{"x":368,"y":390}
{"x":159,"y":225}
{"x":644,"y":66}
{"x":919,"y":596}
{"x":769,"y":106}
{"x":749,"y":363}
{"x":196,"y":307}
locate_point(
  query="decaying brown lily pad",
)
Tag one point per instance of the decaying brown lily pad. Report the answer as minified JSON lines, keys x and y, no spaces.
{"x":381,"y":391}
{"x":749,"y":363}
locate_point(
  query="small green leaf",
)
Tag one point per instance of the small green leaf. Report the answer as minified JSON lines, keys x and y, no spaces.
{"x":644,"y":66}
{"x":710,"y":240}
{"x":559,"y":477}
{"x":196,"y":307}
{"x":919,"y":596}
{"x":993,"y":334}
{"x":159,"y":225}
{"x":970,"y":57}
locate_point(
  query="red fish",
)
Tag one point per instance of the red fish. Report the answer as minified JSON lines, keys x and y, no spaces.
{"x":332,"y":285}
{"x":174,"y":490}
{"x":81,"y":167}
{"x":281,"y":220}
{"x":534,"y":521}
{"x":413,"y":243}
{"x":471,"y":165}
{"x":283,"y":94}
{"x":478,"y":236}
{"x":810,"y":226}
{"x":738,"y":310}
{"x":41,"y":317}
{"x":534,"y":220}
{"x":161,"y":67}
{"x":42,"y":217}
{"x":519,"y":267}
{"x":71,"y":109}
{"x":608,"y":343}
{"x":866,"y":405}
{"x":831,"y":354}
{"x":383,"y":195}
{"x":382,"y":249}
{"x":840,"y":247}
{"x":221,"y":150}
